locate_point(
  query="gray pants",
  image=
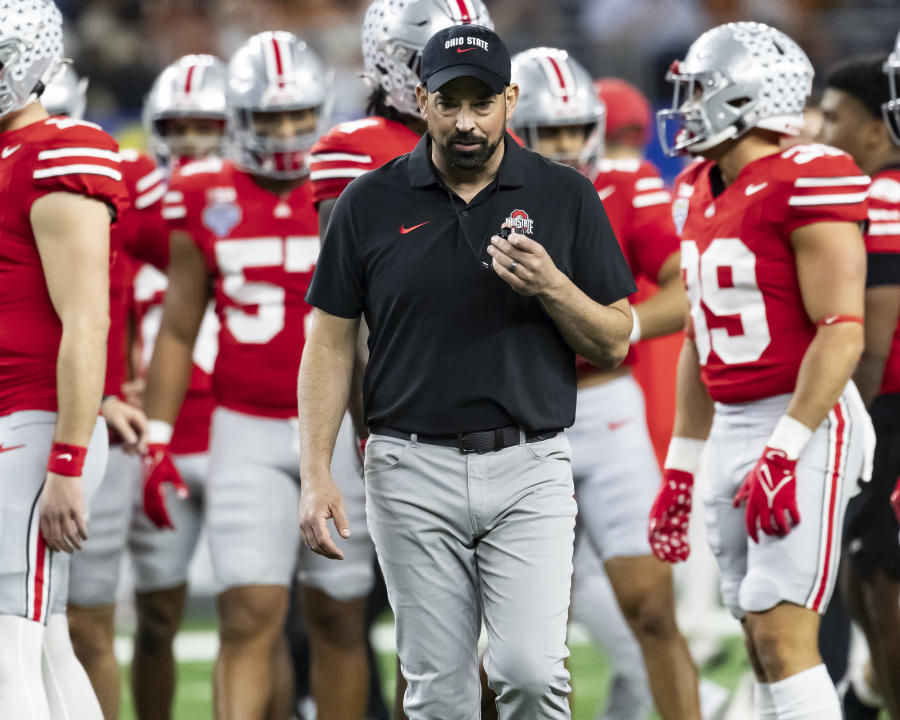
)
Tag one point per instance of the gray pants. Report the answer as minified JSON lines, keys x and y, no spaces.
{"x":460,"y":536}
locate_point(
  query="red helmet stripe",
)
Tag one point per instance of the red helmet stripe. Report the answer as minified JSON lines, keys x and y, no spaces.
{"x":559,"y":76}
{"x":279,"y":66}
{"x":188,"y":80}
{"x":465,"y":15}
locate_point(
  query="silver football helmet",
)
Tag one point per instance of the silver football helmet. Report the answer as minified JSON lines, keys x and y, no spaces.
{"x":556,"y":90}
{"x":393,"y":35}
{"x":891,"y":109}
{"x":66,"y":94}
{"x":191,"y":87}
{"x":735,"y":77}
{"x":272,"y":72}
{"x":31,"y":51}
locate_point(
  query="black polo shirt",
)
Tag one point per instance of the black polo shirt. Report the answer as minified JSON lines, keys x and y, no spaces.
{"x":452,"y":347}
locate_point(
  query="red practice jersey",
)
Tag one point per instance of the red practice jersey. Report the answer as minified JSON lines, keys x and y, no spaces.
{"x":747,"y":314}
{"x":639,"y":210}
{"x":883,"y":247}
{"x":352,"y":148}
{"x":260,"y":249}
{"x":53,"y":155}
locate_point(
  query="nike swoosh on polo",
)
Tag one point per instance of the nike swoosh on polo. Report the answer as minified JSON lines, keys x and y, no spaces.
{"x":404,"y":229}
{"x":460,"y":50}
{"x":7,"y":151}
{"x":11,"y":447}
{"x":616,"y":424}
{"x":755,"y":188}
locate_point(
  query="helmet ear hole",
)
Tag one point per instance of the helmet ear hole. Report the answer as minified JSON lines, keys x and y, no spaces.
{"x":739,"y":102}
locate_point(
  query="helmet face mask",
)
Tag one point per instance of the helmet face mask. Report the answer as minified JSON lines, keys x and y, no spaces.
{"x":187,"y":138}
{"x":891,"y":109}
{"x":277,"y":75}
{"x":556,"y":100}
{"x":395,"y":32}
{"x":735,"y":77}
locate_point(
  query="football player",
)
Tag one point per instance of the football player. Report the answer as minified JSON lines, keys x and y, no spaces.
{"x":615,"y":470}
{"x":774,"y":266}
{"x":62,"y":185}
{"x":249,"y":229}
{"x":185,"y":116}
{"x":855,"y":92}
{"x":393,"y":35}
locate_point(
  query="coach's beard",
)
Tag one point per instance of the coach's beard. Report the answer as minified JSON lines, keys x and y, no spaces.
{"x":469,"y":159}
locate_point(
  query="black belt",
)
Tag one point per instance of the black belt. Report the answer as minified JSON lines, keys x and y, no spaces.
{"x":471,"y":442}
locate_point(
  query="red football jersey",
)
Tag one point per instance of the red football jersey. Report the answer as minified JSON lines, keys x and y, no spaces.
{"x":352,"y":148}
{"x":747,"y":314}
{"x":191,"y":432}
{"x":260,"y":249}
{"x":639,"y":210}
{"x":145,"y":185}
{"x":53,"y":155}
{"x":883,"y":237}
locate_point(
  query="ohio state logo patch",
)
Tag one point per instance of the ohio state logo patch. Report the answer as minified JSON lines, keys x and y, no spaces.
{"x":519,"y":221}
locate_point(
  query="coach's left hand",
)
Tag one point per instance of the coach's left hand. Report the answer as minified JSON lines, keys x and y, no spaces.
{"x":524,"y":264}
{"x":320,"y":499}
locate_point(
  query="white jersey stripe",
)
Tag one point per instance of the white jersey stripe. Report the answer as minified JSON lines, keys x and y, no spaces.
{"x":837,"y":199}
{"x":80,"y":169}
{"x":649,"y":183}
{"x":884,"y":229}
{"x":337,"y":156}
{"x":150,"y":197}
{"x":173,"y":196}
{"x":149,"y":180}
{"x":815,"y":182}
{"x":174,"y":213}
{"x":336,"y":173}
{"x":79,"y":152}
{"x":876,"y":214}
{"x":648,"y":199}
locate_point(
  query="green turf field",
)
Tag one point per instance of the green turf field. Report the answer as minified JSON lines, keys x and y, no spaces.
{"x":590,"y":676}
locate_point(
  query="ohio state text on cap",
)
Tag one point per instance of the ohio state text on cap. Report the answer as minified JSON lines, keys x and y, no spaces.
{"x":465,"y":51}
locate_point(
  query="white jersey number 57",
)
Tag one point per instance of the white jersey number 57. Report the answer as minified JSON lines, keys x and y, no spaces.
{"x":723,"y":279}
{"x":294,"y":254}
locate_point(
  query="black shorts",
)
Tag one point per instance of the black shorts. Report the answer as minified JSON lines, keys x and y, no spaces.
{"x":870,"y":528}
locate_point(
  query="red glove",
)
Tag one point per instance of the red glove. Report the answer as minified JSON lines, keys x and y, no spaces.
{"x":770,"y":490}
{"x":895,"y":500}
{"x":670,"y":516}
{"x":158,"y":469}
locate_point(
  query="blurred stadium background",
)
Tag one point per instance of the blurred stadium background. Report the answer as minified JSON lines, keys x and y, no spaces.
{"x":120,"y":46}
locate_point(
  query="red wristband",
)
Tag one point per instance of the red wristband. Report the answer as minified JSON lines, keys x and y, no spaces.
{"x":835,"y":319}
{"x":66,"y":459}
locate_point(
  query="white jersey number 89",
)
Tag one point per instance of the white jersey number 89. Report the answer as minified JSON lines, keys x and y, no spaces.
{"x":740,"y":298}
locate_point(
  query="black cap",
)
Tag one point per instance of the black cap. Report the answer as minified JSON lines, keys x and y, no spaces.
{"x":465,"y":51}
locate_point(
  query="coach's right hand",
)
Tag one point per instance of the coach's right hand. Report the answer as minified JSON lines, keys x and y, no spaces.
{"x":320,"y":499}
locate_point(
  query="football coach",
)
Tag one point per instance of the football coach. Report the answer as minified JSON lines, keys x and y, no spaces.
{"x":469,"y":385}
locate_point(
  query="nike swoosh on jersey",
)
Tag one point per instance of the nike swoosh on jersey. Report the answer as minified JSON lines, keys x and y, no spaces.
{"x":404,"y":229}
{"x":606,"y":192}
{"x":7,"y":151}
{"x":755,"y":188}
{"x":11,"y":447}
{"x":460,"y":50}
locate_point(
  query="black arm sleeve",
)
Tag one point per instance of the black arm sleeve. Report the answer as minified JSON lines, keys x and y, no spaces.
{"x":883,"y":269}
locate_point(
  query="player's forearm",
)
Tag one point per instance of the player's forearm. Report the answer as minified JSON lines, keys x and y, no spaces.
{"x":694,"y":407}
{"x":597,"y":332}
{"x":663,"y":312}
{"x":323,"y":389}
{"x":80,"y":368}
{"x":827,"y":365}
{"x":168,"y":376}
